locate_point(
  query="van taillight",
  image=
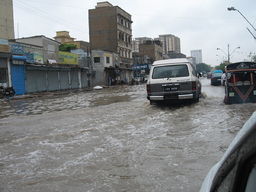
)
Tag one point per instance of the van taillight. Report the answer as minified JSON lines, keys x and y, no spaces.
{"x":148,"y":89}
{"x":194,"y":85}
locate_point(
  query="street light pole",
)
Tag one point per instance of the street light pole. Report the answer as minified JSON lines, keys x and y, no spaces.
{"x":228,"y":54}
{"x":234,"y":9}
{"x":251,"y":33}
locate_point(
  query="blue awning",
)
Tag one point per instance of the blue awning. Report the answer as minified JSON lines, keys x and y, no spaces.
{"x":19,"y":57}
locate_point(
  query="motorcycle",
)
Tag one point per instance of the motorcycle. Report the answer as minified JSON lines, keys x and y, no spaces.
{"x":6,"y":92}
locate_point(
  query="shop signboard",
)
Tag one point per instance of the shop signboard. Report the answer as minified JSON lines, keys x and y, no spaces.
{"x":38,"y":58}
{"x":4,"y":46}
{"x":68,"y":58}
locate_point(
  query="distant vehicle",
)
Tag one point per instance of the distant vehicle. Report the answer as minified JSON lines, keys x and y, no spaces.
{"x":216,"y":77}
{"x":236,"y":171}
{"x":209,"y":75}
{"x":173,"y":79}
{"x":241,"y":82}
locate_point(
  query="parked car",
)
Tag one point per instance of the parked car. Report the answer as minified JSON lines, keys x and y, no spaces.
{"x":216,"y":77}
{"x":173,"y":79}
{"x":236,"y":171}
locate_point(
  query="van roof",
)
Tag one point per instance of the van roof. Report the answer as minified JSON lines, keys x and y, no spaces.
{"x":171,"y":61}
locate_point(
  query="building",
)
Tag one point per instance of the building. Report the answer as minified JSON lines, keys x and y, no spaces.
{"x":5,"y":54}
{"x":170,"y":43}
{"x":37,"y":65}
{"x":110,"y":29}
{"x":174,"y":55}
{"x":137,"y":41}
{"x":63,"y":37}
{"x":197,"y":54}
{"x":6,"y":19}
{"x":6,"y":32}
{"x":153,"y":49}
{"x":141,"y":65}
{"x":82,"y":45}
{"x":50,"y":47}
{"x":106,"y":65}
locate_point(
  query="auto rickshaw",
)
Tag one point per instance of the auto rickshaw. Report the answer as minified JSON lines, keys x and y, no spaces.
{"x":240,"y":84}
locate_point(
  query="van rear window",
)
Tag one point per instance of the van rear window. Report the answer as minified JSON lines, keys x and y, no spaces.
{"x":170,"y":71}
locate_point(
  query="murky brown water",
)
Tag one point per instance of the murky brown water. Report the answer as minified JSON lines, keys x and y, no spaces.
{"x":113,"y":140}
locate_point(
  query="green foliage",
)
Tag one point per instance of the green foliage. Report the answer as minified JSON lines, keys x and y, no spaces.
{"x":202,"y":67}
{"x":253,"y":58}
{"x":222,"y":66}
{"x":67,"y":47}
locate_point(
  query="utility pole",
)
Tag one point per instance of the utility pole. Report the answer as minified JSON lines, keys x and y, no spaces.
{"x":228,"y":54}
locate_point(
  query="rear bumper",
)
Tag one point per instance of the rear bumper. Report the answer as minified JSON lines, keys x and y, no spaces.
{"x":186,"y":96}
{"x":172,"y":97}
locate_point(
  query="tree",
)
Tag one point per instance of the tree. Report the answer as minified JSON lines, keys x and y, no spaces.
{"x":222,"y":66}
{"x":253,"y":58}
{"x":202,"y":67}
{"x":67,"y":47}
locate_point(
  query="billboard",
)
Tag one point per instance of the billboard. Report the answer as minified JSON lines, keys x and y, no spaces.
{"x":68,"y":58}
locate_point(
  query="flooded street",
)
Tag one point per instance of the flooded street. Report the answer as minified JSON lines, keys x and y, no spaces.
{"x":114,"y":140}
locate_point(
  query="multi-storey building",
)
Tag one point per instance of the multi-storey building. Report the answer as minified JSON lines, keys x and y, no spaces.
{"x":153,"y":49}
{"x":197,"y":54}
{"x":110,"y":29}
{"x":137,"y":41}
{"x":170,"y":43}
{"x":6,"y":32}
{"x":6,"y":19}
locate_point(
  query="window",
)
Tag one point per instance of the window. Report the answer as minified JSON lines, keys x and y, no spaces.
{"x":107,"y":60}
{"x":96,"y":59}
{"x":170,"y":71}
{"x":217,"y":74}
{"x":193,"y":70}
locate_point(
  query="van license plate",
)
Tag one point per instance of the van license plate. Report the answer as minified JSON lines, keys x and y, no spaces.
{"x":171,"y":89}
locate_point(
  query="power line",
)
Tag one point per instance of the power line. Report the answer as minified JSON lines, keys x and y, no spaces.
{"x":45,"y":15}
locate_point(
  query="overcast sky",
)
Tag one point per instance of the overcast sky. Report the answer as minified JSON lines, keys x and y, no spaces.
{"x":200,"y":24}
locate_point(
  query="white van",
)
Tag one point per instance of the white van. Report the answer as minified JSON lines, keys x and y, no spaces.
{"x":173,"y":79}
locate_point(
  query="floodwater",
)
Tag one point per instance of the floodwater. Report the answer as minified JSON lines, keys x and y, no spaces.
{"x":114,"y":140}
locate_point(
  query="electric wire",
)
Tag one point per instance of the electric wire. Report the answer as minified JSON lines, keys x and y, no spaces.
{"x":45,"y":15}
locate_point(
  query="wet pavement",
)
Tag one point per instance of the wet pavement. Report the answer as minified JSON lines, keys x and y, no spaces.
{"x":113,"y":140}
